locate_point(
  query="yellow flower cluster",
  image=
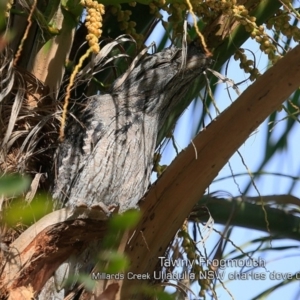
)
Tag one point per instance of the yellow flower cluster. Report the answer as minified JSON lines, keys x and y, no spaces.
{"x":93,"y":22}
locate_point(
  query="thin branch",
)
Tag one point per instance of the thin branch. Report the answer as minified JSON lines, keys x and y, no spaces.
{"x":246,"y":213}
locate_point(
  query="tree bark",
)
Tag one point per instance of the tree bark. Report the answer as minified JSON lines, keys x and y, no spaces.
{"x":39,"y":251}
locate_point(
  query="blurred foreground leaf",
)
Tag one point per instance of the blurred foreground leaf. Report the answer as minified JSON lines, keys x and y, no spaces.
{"x":127,"y":220}
{"x":21,"y":212}
{"x":117,"y":262}
{"x":13,"y":185}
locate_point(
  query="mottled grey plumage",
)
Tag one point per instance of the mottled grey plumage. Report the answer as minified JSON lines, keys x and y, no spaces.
{"x":108,"y":151}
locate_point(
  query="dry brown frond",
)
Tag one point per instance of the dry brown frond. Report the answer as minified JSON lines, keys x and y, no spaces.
{"x":26,"y":131}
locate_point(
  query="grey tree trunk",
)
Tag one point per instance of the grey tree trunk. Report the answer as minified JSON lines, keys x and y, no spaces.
{"x":106,"y":157}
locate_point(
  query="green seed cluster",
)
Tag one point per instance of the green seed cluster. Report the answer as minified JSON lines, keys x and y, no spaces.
{"x":125,"y":24}
{"x":189,"y":248}
{"x":157,"y":167}
{"x":246,"y":64}
{"x":209,"y":10}
{"x":8,"y":7}
{"x":177,"y":15}
{"x":259,"y":34}
{"x":224,"y":6}
{"x":281,"y":23}
{"x":156,"y":5}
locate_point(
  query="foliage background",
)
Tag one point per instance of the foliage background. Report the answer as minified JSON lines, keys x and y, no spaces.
{"x":275,"y":143}
{"x":272,"y":152}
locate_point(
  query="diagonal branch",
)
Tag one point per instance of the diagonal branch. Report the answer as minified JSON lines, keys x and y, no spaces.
{"x":170,"y":200}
